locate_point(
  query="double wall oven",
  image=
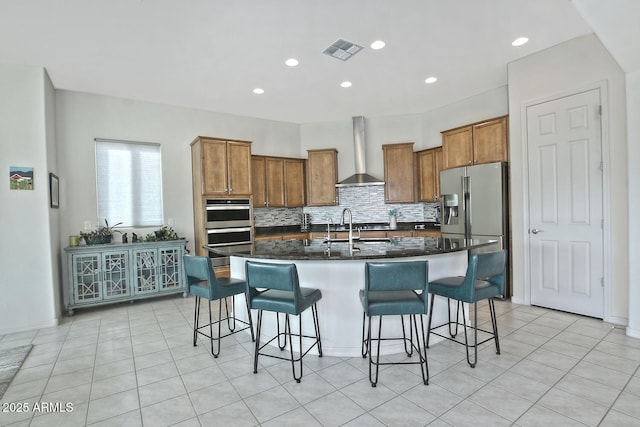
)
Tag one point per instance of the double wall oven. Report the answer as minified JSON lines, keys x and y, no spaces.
{"x":228,"y":224}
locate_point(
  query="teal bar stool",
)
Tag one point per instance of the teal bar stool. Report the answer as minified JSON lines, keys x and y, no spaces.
{"x":275,"y":288}
{"x":396,"y":289}
{"x":203,"y":283}
{"x":484,"y":280}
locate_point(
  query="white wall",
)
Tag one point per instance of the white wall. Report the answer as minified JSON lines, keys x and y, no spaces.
{"x":633,"y":134}
{"x":579,"y":64}
{"x":28,"y":282}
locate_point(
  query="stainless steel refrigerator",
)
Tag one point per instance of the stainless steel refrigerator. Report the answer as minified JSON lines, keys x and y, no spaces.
{"x":474,"y":204}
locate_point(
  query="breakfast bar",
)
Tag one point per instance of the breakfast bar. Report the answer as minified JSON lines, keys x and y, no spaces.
{"x":337,"y":269}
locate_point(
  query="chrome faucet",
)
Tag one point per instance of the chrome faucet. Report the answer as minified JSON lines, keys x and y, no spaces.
{"x":329,"y":222}
{"x":350,"y":223}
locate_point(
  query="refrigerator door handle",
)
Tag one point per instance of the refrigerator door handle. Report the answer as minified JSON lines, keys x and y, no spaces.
{"x":466,"y":203}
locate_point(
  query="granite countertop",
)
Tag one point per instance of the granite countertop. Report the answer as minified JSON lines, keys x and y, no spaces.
{"x":265,"y":231}
{"x":318,"y":249}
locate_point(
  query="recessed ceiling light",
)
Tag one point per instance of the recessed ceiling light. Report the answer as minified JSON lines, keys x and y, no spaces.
{"x":345,"y":84}
{"x":378,"y":44}
{"x":431,"y":80}
{"x":291,"y":62}
{"x":520,"y":41}
{"x":258,"y":91}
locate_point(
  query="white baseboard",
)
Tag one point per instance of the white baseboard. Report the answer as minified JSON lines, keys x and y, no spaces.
{"x":633,"y":333}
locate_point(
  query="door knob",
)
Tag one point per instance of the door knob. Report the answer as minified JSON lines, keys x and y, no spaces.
{"x":536,"y":231}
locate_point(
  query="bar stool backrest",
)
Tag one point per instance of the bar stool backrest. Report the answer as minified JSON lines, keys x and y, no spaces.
{"x":484,"y":268}
{"x":199,"y":269}
{"x":282,"y":277}
{"x":396,"y":276}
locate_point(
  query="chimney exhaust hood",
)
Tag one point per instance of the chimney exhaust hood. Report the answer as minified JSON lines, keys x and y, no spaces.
{"x":361,"y":177}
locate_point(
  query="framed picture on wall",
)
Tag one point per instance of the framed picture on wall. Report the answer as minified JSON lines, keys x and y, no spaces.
{"x":54,"y":191}
{"x":20,"y":178}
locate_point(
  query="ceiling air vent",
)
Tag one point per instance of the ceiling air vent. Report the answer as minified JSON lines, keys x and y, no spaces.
{"x":342,"y":49}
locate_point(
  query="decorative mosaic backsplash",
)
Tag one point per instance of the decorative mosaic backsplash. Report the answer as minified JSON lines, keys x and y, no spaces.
{"x":366,"y":204}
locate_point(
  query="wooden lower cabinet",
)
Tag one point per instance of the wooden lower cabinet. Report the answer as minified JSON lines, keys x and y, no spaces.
{"x":427,"y":233}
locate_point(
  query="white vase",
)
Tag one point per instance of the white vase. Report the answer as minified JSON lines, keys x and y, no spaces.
{"x":393,"y":222}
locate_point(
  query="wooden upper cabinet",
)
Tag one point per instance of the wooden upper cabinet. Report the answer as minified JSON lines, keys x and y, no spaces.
{"x":214,"y":160}
{"x":322,"y":176}
{"x":221,"y":168}
{"x":490,"y":141}
{"x":429,"y":163}
{"x":277,"y":182}
{"x":294,"y":182}
{"x":258,"y":180}
{"x":239,"y":168}
{"x":477,"y":143}
{"x":457,"y":147}
{"x":399,"y":173}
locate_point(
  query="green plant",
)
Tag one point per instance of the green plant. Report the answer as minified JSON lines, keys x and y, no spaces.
{"x":393,"y":212}
{"x":101,"y":234}
{"x":164,"y":233}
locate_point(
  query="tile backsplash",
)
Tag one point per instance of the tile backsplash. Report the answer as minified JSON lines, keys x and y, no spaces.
{"x":366,"y":204}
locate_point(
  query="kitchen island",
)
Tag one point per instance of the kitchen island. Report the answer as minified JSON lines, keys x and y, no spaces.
{"x":337,"y":269}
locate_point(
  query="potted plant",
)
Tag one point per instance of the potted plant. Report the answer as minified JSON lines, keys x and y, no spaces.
{"x":393,"y":219}
{"x":101,"y":235}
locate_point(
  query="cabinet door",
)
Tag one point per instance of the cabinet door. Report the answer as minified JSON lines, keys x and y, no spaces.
{"x":214,"y":167}
{"x":86,"y":277}
{"x":258,"y":181}
{"x":426,"y":175}
{"x":398,"y":173}
{"x":294,"y":182}
{"x":490,"y":141}
{"x":145,"y":271}
{"x":275,"y":182}
{"x":457,"y":147}
{"x":239,"y":168}
{"x":115,"y":275}
{"x":436,"y":172}
{"x":322,"y":176}
{"x":170,"y":268}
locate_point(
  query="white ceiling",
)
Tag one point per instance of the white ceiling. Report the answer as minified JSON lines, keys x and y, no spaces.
{"x":210,"y":54}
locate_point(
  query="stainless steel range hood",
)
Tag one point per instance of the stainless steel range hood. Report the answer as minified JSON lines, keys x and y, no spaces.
{"x":361,"y":177}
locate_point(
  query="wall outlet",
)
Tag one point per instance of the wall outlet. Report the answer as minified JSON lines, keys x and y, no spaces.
{"x":87,"y":225}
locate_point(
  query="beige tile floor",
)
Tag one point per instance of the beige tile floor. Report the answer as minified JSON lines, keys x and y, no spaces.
{"x":133,"y":364}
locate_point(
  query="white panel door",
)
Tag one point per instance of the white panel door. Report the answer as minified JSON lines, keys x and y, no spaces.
{"x":565,"y":204}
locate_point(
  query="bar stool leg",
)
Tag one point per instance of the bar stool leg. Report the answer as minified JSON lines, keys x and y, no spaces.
{"x":425,"y":372}
{"x":373,"y":381}
{"x":196,"y":316}
{"x":316,"y":323}
{"x":494,"y":324}
{"x":365,"y":345}
{"x":433,"y":297}
{"x":257,"y":346}
{"x":246,"y":302}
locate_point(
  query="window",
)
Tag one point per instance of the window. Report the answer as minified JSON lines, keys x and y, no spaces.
{"x":129,"y":179}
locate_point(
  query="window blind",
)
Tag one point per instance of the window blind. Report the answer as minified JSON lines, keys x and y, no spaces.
{"x":129,"y":180}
